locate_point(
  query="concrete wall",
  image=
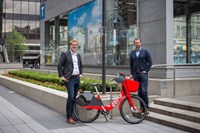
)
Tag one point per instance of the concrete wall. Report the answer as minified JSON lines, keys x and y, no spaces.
{"x":6,"y":67}
{"x":169,"y":88}
{"x":53,"y":99}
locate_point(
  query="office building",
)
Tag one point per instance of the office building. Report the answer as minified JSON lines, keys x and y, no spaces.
{"x":169,"y":29}
{"x":23,"y":16}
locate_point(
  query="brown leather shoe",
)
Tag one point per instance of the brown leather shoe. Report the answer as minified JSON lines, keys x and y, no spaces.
{"x":73,"y":118}
{"x":71,"y":121}
{"x":140,"y":111}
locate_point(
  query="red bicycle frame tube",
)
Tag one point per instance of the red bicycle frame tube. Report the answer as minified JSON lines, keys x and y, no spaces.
{"x":119,"y":99}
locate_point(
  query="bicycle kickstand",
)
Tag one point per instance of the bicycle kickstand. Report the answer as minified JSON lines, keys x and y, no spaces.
{"x":105,"y":117}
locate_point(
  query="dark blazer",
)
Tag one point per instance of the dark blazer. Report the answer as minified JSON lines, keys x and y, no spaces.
{"x":141,"y":63}
{"x":65,"y":64}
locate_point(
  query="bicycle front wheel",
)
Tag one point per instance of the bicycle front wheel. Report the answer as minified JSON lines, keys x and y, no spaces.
{"x":130,"y":115}
{"x":85,"y":115}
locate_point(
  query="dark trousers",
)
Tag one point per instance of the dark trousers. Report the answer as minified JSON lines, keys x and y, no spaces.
{"x":72,"y":87}
{"x":142,"y":91}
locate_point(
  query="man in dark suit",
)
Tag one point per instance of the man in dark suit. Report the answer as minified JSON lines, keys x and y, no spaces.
{"x":140,"y":64}
{"x":70,"y":70}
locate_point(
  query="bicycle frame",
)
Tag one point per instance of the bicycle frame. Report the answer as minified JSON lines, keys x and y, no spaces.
{"x":124,"y":93}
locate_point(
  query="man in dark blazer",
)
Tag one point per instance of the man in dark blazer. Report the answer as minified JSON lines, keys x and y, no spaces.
{"x":70,"y":70}
{"x":140,"y":64}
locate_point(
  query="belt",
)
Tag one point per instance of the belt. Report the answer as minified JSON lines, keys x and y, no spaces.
{"x":77,"y":75}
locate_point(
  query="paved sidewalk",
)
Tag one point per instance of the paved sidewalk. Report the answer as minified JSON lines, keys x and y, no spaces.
{"x":21,"y":115}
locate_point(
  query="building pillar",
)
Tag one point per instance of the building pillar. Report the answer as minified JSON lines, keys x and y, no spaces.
{"x":156,"y":31}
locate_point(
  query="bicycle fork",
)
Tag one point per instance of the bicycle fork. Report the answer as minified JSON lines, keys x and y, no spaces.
{"x":133,"y":107}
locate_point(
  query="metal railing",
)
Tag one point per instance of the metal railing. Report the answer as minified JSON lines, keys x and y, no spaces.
{"x":174,"y":68}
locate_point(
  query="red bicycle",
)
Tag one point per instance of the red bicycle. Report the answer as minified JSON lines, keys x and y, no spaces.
{"x":88,"y":106}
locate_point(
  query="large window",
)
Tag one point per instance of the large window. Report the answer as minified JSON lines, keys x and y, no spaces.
{"x":85,"y":24}
{"x":63,"y":34}
{"x":121,"y":29}
{"x":186,"y":32}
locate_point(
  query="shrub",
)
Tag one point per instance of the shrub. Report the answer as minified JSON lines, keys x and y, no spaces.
{"x":53,"y":81}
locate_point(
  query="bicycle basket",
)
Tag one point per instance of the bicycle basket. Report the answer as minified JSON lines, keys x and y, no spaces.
{"x":131,"y":85}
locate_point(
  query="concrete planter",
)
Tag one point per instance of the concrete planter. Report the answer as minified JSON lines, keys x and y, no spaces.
{"x":51,"y":98}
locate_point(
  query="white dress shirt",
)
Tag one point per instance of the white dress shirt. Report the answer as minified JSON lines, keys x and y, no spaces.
{"x":75,"y":64}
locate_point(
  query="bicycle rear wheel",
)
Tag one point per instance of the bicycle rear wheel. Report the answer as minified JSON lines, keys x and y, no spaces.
{"x":130,"y":115}
{"x":85,"y":115}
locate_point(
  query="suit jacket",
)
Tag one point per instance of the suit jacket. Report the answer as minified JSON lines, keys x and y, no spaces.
{"x":141,"y":63}
{"x":65,"y":64}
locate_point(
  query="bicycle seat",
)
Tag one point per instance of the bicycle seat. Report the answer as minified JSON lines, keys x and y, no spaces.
{"x":119,"y":79}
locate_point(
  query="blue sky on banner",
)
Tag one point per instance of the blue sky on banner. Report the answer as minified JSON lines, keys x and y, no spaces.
{"x":84,"y":17}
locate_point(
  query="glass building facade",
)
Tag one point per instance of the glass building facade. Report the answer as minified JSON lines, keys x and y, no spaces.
{"x":112,"y":25}
{"x":86,"y":24}
{"x":22,"y":15}
{"x":186,"y":32}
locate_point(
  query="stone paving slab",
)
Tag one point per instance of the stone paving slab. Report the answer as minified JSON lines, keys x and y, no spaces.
{"x":21,"y":115}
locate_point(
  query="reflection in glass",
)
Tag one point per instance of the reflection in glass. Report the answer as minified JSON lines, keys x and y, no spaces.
{"x":17,"y":7}
{"x":9,"y":25}
{"x":37,"y":11}
{"x":85,"y":24}
{"x":8,"y":6}
{"x":25,"y":7}
{"x":120,"y":31}
{"x":179,"y":40}
{"x":32,"y":8}
{"x":186,"y":40}
{"x":195,"y":40}
{"x":17,"y":24}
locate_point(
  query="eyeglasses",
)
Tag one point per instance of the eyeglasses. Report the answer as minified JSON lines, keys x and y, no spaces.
{"x":75,"y":45}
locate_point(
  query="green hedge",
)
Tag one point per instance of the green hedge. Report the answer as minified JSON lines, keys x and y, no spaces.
{"x":53,"y":81}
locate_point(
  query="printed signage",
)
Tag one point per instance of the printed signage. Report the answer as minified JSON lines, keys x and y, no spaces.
{"x":42,"y":11}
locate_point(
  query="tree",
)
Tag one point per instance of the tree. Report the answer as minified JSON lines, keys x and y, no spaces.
{"x":15,"y":45}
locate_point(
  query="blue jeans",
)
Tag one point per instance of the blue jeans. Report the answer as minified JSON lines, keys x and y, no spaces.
{"x":72,"y":88}
{"x":142,"y":91}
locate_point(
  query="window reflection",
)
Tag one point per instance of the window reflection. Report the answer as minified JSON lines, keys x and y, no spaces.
{"x":22,"y":15}
{"x":25,"y":8}
{"x":8,"y":25}
{"x":17,"y":15}
{"x":88,"y":30}
{"x":32,"y":7}
{"x":186,"y":42}
{"x":8,"y":6}
{"x":17,"y":7}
